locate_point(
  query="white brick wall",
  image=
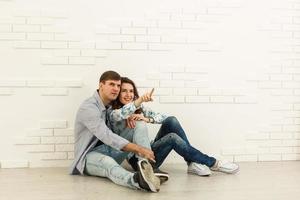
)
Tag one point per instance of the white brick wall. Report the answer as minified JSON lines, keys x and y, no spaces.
{"x":197,"y":57}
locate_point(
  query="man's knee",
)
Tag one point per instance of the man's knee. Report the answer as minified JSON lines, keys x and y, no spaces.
{"x":174,"y":138}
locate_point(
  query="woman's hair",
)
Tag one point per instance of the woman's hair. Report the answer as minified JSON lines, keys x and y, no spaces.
{"x":117,"y":104}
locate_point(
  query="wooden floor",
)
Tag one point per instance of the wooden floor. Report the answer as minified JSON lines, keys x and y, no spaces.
{"x":255,"y":181}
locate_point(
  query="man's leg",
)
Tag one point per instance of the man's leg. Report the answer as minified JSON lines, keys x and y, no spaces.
{"x":105,"y":161}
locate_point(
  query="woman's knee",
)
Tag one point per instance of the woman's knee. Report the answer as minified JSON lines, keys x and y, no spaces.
{"x":171,"y":121}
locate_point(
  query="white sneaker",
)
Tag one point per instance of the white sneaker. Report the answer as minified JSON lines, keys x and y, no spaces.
{"x":226,"y":167}
{"x":198,"y":169}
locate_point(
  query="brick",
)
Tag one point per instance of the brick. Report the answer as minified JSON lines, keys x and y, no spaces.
{"x":291,"y":128}
{"x":171,"y":99}
{"x":109,"y":46}
{"x":147,"y":83}
{"x":53,"y":156}
{"x":221,"y":99}
{"x":290,"y":156}
{"x":14,"y":164}
{"x":40,"y":83}
{"x":46,"y":124}
{"x":189,"y":76}
{"x":144,"y":23}
{"x":5,"y":28}
{"x":171,"y":83}
{"x":27,"y":140}
{"x":147,"y":38}
{"x":291,"y":143}
{"x":291,"y":27}
{"x":245,"y":158}
{"x":209,"y":92}
{"x":26,"y":28}
{"x":54,"y":140}
{"x":233,"y":151}
{"x":279,"y":92}
{"x":197,"y":68}
{"x":281,"y":135}
{"x":280,"y":77}
{"x":40,"y":36}
{"x":27,"y":44}
{"x":159,"y":76}
{"x":40,"y":20}
{"x":269,"y":84}
{"x":53,"y":29}
{"x":161,"y":91}
{"x":66,"y":52}
{"x":246,"y":100}
{"x":193,"y":24}
{"x":55,"y":60}
{"x":297,"y":121}
{"x":159,"y":47}
{"x":63,"y":132}
{"x":278,"y":150}
{"x":162,"y":16}
{"x":135,"y":46}
{"x":292,"y":70}
{"x":257,"y":136}
{"x":71,"y":140}
{"x":64,"y":147}
{"x":108,"y":30}
{"x":269,"y":157}
{"x":50,"y":163}
{"x":122,"y":38}
{"x":183,"y":17}
{"x":55,"y":92}
{"x":185,"y":91}
{"x":40,"y":132}
{"x":82,"y":60}
{"x":12,"y":83}
{"x":66,"y":37}
{"x":197,"y":99}
{"x":281,"y":106}
{"x":291,"y":84}
{"x":197,"y":84}
{"x":71,"y":155}
{"x":119,"y":22}
{"x":39,"y":148}
{"x":93,"y":52}
{"x":12,"y":36}
{"x":134,"y":31}
{"x":169,"y":24}
{"x":13,"y":20}
{"x":69,"y":83}
{"x":54,"y":45}
{"x":6,"y":91}
{"x":82,"y":45}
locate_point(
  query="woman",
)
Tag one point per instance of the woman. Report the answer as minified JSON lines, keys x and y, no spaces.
{"x":171,"y":135}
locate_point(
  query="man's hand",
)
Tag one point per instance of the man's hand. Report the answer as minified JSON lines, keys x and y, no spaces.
{"x":140,"y":151}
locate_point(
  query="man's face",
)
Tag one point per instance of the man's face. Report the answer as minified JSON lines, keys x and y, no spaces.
{"x":110,"y":89}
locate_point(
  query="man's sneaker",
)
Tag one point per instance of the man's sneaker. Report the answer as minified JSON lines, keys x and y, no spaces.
{"x":163,"y":176}
{"x":199,"y":169}
{"x":225,"y":166}
{"x":145,"y":177}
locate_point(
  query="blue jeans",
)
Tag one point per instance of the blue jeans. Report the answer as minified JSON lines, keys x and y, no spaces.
{"x":171,"y":136}
{"x":104,"y":161}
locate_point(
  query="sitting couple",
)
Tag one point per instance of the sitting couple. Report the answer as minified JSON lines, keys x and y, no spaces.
{"x":111,"y":126}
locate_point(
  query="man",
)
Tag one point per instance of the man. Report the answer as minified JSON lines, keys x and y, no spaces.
{"x":98,"y":151}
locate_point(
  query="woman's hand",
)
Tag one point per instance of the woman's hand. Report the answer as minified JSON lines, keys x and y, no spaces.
{"x":130,"y":122}
{"x":144,"y":98}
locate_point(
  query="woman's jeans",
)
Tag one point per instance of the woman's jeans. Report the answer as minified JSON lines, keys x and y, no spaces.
{"x":172,"y":136}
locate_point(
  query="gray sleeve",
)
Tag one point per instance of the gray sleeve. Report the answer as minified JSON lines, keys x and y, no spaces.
{"x":91,"y":118}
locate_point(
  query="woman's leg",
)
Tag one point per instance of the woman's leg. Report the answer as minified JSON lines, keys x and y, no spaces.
{"x":164,"y":146}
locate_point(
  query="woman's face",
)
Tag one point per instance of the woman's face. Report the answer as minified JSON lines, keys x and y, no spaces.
{"x":127,"y":93}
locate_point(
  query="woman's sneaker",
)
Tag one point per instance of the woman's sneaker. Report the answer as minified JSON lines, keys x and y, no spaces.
{"x":163,"y":176}
{"x":225,"y":166}
{"x":145,"y":177}
{"x":198,"y":169}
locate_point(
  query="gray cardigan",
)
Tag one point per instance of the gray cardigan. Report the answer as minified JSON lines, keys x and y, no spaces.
{"x":92,"y":125}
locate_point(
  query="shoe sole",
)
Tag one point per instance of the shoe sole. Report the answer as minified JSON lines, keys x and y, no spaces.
{"x":196,"y":173}
{"x":147,"y":172}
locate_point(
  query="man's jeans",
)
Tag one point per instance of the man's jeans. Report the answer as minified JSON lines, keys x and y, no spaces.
{"x":104,"y":161}
{"x":172,"y":136}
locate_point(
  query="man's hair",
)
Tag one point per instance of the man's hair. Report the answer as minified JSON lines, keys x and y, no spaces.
{"x":110,"y":75}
